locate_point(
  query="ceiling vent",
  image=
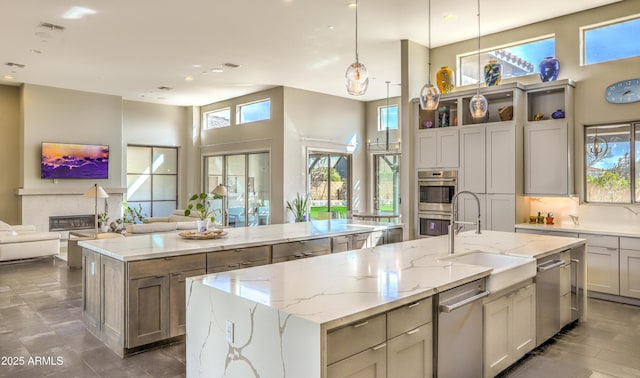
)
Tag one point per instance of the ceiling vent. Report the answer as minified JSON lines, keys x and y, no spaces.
{"x":12,"y":64}
{"x":50,"y":26}
{"x":231,"y":65}
{"x":163,"y":88}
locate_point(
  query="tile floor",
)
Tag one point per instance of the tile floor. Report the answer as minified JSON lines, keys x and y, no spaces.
{"x":41,"y":316}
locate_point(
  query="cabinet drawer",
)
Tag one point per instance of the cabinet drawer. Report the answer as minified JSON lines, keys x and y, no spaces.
{"x":565,"y":279}
{"x":301,"y":249}
{"x":340,"y":243}
{"x":356,"y":337}
{"x":359,"y":241}
{"x":167,"y":265}
{"x":601,"y":240}
{"x":565,"y":256}
{"x":408,"y":317}
{"x":565,"y":309}
{"x":630,"y":243}
{"x":237,"y":258}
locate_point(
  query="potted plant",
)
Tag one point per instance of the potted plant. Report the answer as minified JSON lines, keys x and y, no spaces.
{"x":103,"y":222}
{"x":132,"y":215}
{"x":298,"y":207}
{"x":200,"y":202}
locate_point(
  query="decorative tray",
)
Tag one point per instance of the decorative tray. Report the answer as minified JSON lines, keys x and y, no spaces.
{"x":211,"y":234}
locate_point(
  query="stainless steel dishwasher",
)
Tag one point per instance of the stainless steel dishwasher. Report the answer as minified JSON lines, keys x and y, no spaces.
{"x":459,"y":349}
{"x":548,"y":297}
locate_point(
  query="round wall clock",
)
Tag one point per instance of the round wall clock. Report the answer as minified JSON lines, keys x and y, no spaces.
{"x":623,"y":92}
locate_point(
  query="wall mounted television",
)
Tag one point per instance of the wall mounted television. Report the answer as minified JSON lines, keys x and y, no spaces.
{"x":74,"y":161}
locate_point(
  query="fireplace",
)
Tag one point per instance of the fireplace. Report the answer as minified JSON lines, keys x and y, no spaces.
{"x":71,"y":222}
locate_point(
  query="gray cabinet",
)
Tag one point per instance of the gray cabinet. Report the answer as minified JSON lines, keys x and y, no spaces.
{"x":437,"y":148}
{"x":371,"y":363}
{"x":237,"y":258}
{"x":91,"y":281}
{"x":394,"y":235}
{"x":177,"y":300}
{"x":301,"y":249}
{"x":410,"y":344}
{"x":341,"y":243}
{"x":602,"y":263}
{"x":630,"y":267}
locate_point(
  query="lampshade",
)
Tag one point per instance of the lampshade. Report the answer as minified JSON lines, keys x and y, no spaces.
{"x":357,"y":76}
{"x":430,"y":94}
{"x":96,"y":191}
{"x":478,"y":105}
{"x":219,"y":190}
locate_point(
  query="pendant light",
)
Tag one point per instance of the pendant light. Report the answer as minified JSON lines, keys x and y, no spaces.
{"x":479,"y":104}
{"x":357,"y":77}
{"x":430,"y":94}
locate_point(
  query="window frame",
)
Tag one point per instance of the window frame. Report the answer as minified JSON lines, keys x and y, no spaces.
{"x":329,"y":154}
{"x":459,"y":57}
{"x":239,"y":108}
{"x":205,"y":122}
{"x":380,"y":116}
{"x":586,"y":28}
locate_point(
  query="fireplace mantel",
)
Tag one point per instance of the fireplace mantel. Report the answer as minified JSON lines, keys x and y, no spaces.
{"x":63,"y":191}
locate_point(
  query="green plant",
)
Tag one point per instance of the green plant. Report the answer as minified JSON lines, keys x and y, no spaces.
{"x":132,"y":215}
{"x":103,"y":218}
{"x":298,"y":207}
{"x":200,"y":202}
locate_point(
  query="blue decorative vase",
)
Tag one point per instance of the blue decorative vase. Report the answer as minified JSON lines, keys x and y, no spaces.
{"x":549,"y":69}
{"x":492,"y":73}
{"x":558,"y":114}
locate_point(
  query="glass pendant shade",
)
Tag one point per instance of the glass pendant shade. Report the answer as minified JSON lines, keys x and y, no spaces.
{"x":357,"y":79}
{"x":429,"y":97}
{"x":478,"y":106}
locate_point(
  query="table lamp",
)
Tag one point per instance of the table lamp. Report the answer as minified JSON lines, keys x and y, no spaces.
{"x":221,"y":191}
{"x":96,"y":192}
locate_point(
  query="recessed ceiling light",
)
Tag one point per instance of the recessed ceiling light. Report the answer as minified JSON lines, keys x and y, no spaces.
{"x":217,"y":70}
{"x":331,"y":27}
{"x":196,"y":65}
{"x":188,"y":78}
{"x":8,"y":77}
{"x":450,"y":16}
{"x":351,"y":5}
{"x":34,"y":51}
{"x":76,"y":13}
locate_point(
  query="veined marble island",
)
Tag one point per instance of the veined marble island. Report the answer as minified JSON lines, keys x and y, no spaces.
{"x":303,"y":318}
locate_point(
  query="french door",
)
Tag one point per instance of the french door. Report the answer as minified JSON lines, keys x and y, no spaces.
{"x":329,"y":183}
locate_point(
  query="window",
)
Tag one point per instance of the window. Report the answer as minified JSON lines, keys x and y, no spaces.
{"x":152,"y":179}
{"x":387,"y":183}
{"x":518,"y":59}
{"x":217,"y":118}
{"x":246,"y":177}
{"x":254,"y":111}
{"x":391,"y":112}
{"x":612,"y":40}
{"x":612,"y":163}
{"x":329,"y":185}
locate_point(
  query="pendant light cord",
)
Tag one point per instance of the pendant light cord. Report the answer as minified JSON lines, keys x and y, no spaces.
{"x":356,"y":31}
{"x":478,"y":92}
{"x":387,"y":116}
{"x":429,"y":42}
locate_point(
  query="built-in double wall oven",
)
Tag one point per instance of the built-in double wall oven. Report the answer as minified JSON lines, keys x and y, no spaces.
{"x":435,"y":192}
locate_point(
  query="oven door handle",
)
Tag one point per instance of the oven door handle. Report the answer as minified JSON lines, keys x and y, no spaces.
{"x":423,"y":180}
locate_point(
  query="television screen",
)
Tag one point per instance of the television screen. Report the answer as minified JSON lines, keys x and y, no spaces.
{"x":74,"y":161}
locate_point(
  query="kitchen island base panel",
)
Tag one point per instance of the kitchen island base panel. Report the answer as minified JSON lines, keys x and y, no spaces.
{"x":243,"y":338}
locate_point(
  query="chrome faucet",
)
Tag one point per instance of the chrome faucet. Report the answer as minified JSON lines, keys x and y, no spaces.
{"x":453,"y":229}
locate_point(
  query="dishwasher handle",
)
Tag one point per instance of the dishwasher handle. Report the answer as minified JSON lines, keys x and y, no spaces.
{"x":549,"y":266}
{"x":464,"y":302}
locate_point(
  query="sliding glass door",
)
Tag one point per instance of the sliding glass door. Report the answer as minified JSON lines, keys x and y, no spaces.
{"x":387,"y":183}
{"x":246,"y":177}
{"x":329,"y":185}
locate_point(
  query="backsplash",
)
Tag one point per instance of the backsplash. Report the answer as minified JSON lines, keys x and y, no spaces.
{"x":561,"y":207}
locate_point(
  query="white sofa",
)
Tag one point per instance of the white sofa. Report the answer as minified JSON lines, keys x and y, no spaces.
{"x":159,"y":226}
{"x":24,"y":242}
{"x":175,"y":216}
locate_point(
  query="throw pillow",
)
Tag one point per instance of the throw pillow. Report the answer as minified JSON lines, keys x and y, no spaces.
{"x":5,"y":226}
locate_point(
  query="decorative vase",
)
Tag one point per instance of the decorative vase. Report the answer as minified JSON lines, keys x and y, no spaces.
{"x":444,"y":79}
{"x":104,"y":227}
{"x":203,"y":225}
{"x":506,"y":113}
{"x":557,"y":114}
{"x":492,"y":73}
{"x":549,"y":69}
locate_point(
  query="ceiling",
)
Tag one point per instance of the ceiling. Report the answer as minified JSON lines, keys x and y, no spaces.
{"x":131,"y":48}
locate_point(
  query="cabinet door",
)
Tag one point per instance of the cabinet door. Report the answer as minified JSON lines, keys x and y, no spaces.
{"x":524,"y":321}
{"x":340,"y":243}
{"x":501,"y":212}
{"x":426,"y":150}
{"x":447,"y":148}
{"x":359,"y":241}
{"x":501,"y":160}
{"x":471,"y":175}
{"x":372,"y":363}
{"x":177,"y":300}
{"x":497,"y":335}
{"x":112,"y":327}
{"x":91,"y":280}
{"x":148,"y":310}
{"x":376,"y":238}
{"x":546,"y":154}
{"x":468,"y":211}
{"x":630,"y":273}
{"x":410,"y":355}
{"x":602,"y":269}
{"x":394,"y":235}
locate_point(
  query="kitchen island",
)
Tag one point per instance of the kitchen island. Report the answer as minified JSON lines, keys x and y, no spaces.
{"x":302,"y":318}
{"x":134,"y":287}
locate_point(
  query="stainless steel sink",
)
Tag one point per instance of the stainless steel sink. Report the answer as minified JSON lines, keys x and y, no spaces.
{"x":507,"y":270}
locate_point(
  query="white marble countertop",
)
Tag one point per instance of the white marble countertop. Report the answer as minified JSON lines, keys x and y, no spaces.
{"x":336,"y":289}
{"x":613,"y":229}
{"x":149,"y":246}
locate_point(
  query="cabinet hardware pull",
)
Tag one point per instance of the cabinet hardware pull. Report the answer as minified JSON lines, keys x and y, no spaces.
{"x":360,"y":324}
{"x":159,"y":276}
{"x":414,"y":305}
{"x":379,"y":346}
{"x":577,"y":308}
{"x":413,"y":331}
{"x":611,"y":249}
{"x":453,"y":307}
{"x":245,"y":263}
